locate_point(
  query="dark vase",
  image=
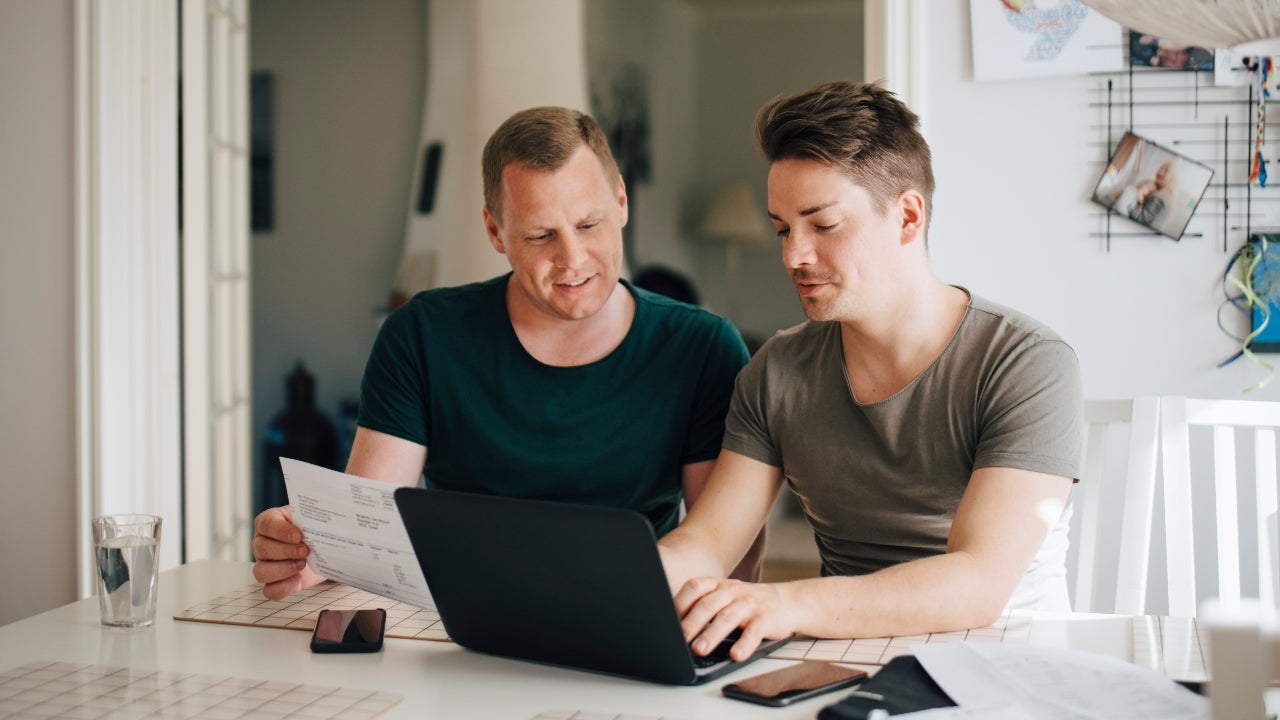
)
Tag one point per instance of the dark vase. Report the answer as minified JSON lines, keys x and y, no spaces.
{"x":300,"y":432}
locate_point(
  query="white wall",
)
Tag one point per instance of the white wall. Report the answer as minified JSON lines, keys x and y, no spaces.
{"x":348,"y":101}
{"x":1015,"y":163}
{"x":37,"y":381}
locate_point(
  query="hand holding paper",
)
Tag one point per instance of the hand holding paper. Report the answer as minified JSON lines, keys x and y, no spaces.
{"x":355,"y":533}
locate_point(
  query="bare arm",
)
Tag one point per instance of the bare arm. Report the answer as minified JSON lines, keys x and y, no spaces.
{"x":279,"y":553}
{"x":727,"y":517}
{"x":999,"y":526}
{"x":378,"y":456}
{"x":694,"y":480}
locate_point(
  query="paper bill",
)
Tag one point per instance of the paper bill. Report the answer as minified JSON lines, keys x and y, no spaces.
{"x":355,"y":533}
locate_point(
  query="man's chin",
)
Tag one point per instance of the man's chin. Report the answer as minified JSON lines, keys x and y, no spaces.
{"x":815,"y":309}
{"x":575,"y":310}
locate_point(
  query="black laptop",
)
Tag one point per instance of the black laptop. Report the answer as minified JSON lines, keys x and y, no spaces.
{"x":563,"y":584}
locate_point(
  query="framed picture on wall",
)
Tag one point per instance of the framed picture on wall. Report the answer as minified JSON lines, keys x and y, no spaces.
{"x":1152,"y":185}
{"x":1151,"y":51}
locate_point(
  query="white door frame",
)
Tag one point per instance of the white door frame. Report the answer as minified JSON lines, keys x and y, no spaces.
{"x":894,"y":48}
{"x":139,"y":398}
{"x":216,"y":350}
{"x":126,"y":235}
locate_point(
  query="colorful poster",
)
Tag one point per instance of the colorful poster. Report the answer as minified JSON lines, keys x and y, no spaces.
{"x":1037,"y":38}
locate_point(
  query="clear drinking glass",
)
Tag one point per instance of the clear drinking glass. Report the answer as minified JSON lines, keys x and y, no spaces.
{"x":126,"y":548}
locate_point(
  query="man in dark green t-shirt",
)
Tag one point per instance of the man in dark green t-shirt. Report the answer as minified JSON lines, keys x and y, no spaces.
{"x":556,"y":381}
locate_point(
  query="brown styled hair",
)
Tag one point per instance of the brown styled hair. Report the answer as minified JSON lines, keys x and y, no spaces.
{"x":861,"y":129}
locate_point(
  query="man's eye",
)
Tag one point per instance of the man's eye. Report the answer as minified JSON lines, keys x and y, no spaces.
{"x":783,"y":233}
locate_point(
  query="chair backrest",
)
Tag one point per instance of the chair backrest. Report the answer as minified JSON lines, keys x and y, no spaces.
{"x":1178,"y":415}
{"x":1141,"y":415}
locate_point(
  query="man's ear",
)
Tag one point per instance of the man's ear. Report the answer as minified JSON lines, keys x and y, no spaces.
{"x":493,"y":231}
{"x":622,"y":202}
{"x":911,"y":207}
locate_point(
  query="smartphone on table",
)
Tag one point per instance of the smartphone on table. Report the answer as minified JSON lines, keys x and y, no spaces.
{"x":349,"y":631}
{"x":794,"y":683}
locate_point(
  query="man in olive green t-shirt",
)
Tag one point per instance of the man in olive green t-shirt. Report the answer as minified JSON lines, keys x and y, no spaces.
{"x":557,"y":381}
{"x":930,"y":435}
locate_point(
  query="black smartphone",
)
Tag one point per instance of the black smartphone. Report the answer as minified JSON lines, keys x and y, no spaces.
{"x":349,"y":631}
{"x":794,"y":683}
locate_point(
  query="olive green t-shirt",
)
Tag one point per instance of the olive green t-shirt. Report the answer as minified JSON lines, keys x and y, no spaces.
{"x":880,"y":482}
{"x":447,"y":371}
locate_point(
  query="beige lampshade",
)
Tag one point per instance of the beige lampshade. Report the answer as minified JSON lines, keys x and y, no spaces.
{"x":1249,"y":27}
{"x":736,"y":217}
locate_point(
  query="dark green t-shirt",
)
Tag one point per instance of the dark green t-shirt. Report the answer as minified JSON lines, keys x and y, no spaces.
{"x":447,"y":371}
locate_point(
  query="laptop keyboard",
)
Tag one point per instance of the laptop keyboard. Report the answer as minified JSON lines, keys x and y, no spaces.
{"x":718,"y":654}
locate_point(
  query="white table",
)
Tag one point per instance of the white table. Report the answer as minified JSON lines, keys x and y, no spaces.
{"x":437,"y":680}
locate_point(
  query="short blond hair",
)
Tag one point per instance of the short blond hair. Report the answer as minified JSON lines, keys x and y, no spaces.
{"x":540,"y":138}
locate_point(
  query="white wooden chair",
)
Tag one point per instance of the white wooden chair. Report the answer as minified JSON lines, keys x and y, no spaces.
{"x":1101,"y":416}
{"x":1178,"y":415}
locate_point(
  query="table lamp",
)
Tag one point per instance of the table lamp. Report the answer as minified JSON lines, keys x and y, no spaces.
{"x":736,"y":217}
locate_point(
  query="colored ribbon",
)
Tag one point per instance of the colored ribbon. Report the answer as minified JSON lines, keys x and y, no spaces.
{"x":1248,"y":300}
{"x":1258,"y":168}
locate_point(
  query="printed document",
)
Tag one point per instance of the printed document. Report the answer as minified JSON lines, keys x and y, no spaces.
{"x":355,"y":532}
{"x":1054,"y":683}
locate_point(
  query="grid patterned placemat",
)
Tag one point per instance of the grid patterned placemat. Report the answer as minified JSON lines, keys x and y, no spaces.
{"x":74,"y":690}
{"x":247,"y":606}
{"x":878,"y":651}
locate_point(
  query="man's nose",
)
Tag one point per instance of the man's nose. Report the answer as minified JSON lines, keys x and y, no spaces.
{"x":572,"y":250}
{"x":797,"y":250}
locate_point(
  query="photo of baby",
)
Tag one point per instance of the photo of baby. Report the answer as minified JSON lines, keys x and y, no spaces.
{"x":1156,"y":52}
{"x":1131,"y":197}
{"x":1152,"y":185}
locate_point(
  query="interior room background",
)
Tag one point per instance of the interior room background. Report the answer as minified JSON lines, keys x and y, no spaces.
{"x":1012,"y":218}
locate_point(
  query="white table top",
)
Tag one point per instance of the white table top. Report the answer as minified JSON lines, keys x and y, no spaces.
{"x":437,"y":680}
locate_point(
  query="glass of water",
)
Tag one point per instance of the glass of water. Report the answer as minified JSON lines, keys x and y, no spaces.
{"x":126,"y":548}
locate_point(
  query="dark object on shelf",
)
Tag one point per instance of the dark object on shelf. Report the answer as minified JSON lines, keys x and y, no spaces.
{"x":300,"y":432}
{"x":430,"y":177}
{"x":262,"y":172}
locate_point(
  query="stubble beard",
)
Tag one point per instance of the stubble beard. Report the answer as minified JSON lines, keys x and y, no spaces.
{"x":820,"y":308}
